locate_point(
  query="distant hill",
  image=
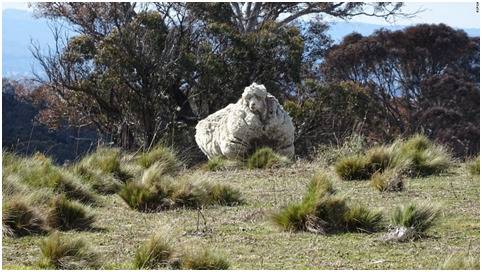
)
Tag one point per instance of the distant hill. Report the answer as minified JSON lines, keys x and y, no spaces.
{"x":20,"y":28}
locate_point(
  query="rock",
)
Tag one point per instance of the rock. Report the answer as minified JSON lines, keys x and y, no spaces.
{"x":256,"y":120}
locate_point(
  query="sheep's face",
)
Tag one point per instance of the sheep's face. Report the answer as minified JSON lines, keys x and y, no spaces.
{"x":254,"y":98}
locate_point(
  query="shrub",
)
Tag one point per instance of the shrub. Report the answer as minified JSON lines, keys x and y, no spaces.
{"x":353,"y":168}
{"x":204,"y":259}
{"x":418,"y":218}
{"x":461,"y":262}
{"x":163,"y":156}
{"x":266,"y":158}
{"x":388,"y":181}
{"x":66,"y":253}
{"x":474,"y":166}
{"x":139,"y":196}
{"x":66,"y":215}
{"x":154,"y":253}
{"x":20,"y":218}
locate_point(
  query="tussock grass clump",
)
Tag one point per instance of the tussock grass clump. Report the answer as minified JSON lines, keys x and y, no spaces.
{"x":67,"y":215}
{"x":20,"y":218}
{"x":361,"y":219}
{"x":322,"y":211}
{"x":266,"y":158}
{"x":155,"y":253}
{"x":412,"y":221}
{"x":157,"y":192}
{"x":388,"y":181}
{"x":163,"y":156}
{"x":204,"y":259}
{"x":216,"y":164}
{"x":473,"y":166}
{"x":139,"y":196}
{"x":352,"y":145}
{"x":38,"y":172}
{"x":423,"y":156}
{"x":104,"y":160}
{"x":65,"y":253}
{"x":416,"y":156}
{"x":220,"y":194}
{"x":353,"y":168}
{"x":461,"y":262}
{"x":103,"y":183}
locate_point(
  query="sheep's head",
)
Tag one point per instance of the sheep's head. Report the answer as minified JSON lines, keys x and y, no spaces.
{"x":254,"y":98}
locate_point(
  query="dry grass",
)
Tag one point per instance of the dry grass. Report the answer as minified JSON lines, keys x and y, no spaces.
{"x":250,"y":241}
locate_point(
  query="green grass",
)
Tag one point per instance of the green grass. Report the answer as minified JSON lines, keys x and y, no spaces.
{"x":354,"y":167}
{"x":265,"y":158}
{"x":322,"y":211}
{"x":38,"y":172}
{"x":62,"y":252}
{"x":68,"y":215}
{"x":20,"y":218}
{"x":415,"y":156}
{"x":473,"y":166}
{"x":417,"y":217}
{"x":155,"y":253}
{"x":461,"y":262}
{"x":166,"y":159}
{"x":204,"y":259}
{"x":391,"y":180}
{"x":250,"y":241}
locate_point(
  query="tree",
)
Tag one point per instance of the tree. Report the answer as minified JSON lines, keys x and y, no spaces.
{"x":399,"y":65}
{"x":141,"y":71}
{"x":125,"y":67}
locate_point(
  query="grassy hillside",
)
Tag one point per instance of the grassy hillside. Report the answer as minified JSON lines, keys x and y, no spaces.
{"x":246,"y":237}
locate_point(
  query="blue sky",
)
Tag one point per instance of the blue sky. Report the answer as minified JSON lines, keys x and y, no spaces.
{"x":456,"y":14}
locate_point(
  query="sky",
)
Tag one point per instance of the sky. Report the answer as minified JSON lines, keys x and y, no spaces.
{"x":455,"y":14}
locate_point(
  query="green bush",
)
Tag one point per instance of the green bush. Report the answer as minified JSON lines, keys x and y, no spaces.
{"x":154,"y":253}
{"x":66,"y":253}
{"x":204,"y":259}
{"x":473,"y":166}
{"x":419,"y":218}
{"x":163,"y":156}
{"x":20,"y":218}
{"x":67,"y":215}
{"x":266,"y":158}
